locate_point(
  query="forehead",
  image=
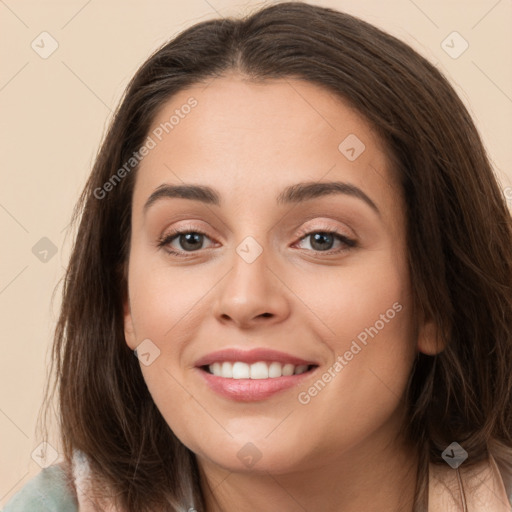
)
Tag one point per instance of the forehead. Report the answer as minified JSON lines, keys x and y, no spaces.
{"x":252,"y":139}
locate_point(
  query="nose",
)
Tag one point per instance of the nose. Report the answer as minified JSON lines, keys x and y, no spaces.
{"x":251,"y":294}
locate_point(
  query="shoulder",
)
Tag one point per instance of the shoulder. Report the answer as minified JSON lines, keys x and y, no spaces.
{"x":48,"y":491}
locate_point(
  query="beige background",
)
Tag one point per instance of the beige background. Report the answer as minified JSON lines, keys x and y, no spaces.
{"x":54,"y":112}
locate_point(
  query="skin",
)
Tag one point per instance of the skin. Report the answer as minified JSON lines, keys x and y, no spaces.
{"x":341,"y":451}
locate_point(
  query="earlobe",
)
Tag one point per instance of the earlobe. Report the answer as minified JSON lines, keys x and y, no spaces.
{"x":429,"y":341}
{"x":129,"y":331}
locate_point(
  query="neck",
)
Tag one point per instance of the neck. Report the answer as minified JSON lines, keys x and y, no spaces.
{"x":377,"y":475}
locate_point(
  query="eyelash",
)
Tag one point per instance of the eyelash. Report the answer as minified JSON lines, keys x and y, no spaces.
{"x":166,"y":239}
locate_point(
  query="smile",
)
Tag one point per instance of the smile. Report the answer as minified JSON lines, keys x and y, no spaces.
{"x":252,"y":375}
{"x":258,"y":370}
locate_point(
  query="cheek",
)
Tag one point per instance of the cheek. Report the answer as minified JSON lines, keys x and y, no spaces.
{"x":168,"y":306}
{"x":368,"y":299}
{"x":165,"y":300}
{"x":368,"y":328}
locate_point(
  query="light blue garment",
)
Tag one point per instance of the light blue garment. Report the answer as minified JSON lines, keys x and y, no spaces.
{"x":45,"y":492}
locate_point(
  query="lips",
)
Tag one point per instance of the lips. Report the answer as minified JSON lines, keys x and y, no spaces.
{"x":252,"y":375}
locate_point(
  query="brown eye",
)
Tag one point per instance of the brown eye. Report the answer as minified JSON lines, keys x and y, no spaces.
{"x":323,"y":241}
{"x":181,"y":242}
{"x":190,"y":241}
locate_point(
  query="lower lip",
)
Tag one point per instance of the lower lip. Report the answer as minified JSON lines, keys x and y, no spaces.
{"x":252,"y":390}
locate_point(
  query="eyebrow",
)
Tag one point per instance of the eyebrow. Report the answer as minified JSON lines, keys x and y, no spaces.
{"x":293,"y":194}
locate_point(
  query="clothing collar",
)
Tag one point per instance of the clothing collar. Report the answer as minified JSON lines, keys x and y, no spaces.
{"x":478,"y":488}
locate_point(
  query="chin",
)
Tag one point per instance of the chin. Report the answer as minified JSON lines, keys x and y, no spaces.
{"x":254,"y":456}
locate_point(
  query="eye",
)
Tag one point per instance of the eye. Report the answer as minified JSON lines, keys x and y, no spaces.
{"x":189,"y":240}
{"x":186,"y":239}
{"x":323,"y":241}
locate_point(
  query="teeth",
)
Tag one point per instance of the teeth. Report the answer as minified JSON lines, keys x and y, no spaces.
{"x":259,"y":370}
{"x":227,"y":370}
{"x":288,"y":369}
{"x":275,"y":370}
{"x":241,"y":371}
{"x":300,"y":369}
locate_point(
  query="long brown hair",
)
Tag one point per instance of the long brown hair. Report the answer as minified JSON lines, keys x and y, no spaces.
{"x":459,"y":241}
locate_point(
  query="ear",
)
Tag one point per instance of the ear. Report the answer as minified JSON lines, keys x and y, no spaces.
{"x":129,"y":330}
{"x":429,"y":340}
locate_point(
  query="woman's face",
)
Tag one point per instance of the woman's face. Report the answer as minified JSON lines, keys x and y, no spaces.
{"x":293,"y":291}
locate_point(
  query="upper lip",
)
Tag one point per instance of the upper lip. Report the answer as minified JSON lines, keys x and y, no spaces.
{"x":251,"y":356}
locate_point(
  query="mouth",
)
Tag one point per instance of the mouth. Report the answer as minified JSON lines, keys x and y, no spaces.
{"x":255,"y":375}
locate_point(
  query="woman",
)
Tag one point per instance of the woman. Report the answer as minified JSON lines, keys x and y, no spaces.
{"x":293,"y":224}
